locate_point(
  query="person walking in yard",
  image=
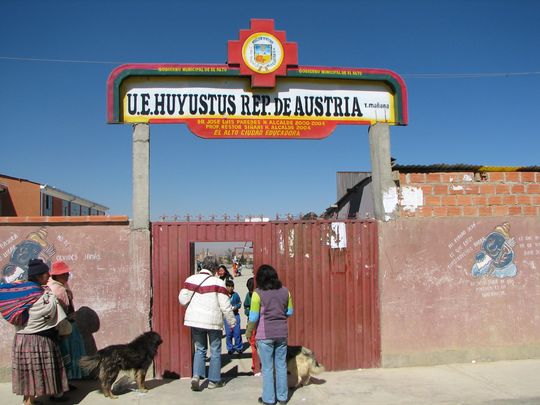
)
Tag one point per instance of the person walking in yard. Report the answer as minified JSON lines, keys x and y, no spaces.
{"x":207,"y":302}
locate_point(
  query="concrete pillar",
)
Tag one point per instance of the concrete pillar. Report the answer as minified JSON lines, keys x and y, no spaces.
{"x":384,"y":189}
{"x":141,"y":178}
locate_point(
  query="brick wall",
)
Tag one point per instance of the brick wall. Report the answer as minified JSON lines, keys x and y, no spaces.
{"x":470,"y":194}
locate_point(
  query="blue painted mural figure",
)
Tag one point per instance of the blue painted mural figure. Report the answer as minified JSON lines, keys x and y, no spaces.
{"x":35,"y":246}
{"x":496,"y":259}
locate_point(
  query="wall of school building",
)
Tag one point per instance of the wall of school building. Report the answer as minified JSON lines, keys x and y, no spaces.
{"x":110,"y":273}
{"x":459,"y":271}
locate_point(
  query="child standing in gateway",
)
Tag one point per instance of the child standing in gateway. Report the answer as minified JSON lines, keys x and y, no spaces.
{"x":234,"y":333}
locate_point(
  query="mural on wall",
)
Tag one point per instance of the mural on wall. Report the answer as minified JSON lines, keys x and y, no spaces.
{"x":34,"y":246}
{"x":496,"y":257}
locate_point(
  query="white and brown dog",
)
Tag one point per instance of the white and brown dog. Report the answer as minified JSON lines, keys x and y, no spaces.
{"x":301,"y":364}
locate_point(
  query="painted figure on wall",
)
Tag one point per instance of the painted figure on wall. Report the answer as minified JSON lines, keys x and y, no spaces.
{"x":35,"y":246}
{"x":496,"y":259}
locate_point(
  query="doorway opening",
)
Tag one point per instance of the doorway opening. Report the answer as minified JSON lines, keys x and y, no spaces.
{"x":237,"y":257}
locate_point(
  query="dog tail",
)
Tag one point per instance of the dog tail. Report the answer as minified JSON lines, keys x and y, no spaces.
{"x":314,"y":367}
{"x":89,"y":363}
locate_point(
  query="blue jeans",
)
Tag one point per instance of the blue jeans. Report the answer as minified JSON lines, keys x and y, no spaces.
{"x":234,"y":333}
{"x":273,"y":355}
{"x":199,"y":337}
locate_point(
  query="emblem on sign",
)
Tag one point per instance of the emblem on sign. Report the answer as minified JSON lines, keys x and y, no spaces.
{"x":262,"y":53}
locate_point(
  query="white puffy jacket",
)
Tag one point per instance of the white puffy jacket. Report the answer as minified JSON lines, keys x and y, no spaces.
{"x":209,"y":301}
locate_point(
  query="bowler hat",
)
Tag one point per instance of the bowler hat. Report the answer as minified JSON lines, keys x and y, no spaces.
{"x":59,"y":267}
{"x":37,"y":267}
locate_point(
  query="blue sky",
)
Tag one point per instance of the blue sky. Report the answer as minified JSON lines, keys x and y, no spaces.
{"x":56,"y":56}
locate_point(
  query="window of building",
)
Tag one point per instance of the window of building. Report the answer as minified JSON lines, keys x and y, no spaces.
{"x":47,"y":205}
{"x":65,"y":208}
{"x":75,"y":210}
{"x":85,"y":210}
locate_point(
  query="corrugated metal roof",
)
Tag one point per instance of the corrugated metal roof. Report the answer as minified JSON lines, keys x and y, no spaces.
{"x":443,"y":167}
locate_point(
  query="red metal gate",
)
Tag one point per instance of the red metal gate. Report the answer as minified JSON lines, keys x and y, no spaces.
{"x":334,"y":287}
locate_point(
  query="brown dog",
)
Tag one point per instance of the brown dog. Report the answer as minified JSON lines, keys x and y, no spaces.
{"x":301,"y":364}
{"x":136,"y":355}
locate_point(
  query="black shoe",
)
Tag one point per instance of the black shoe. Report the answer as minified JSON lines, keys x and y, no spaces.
{"x":72,"y":387}
{"x":282,"y":402}
{"x":63,"y":398}
{"x":195,"y":386}
{"x":230,"y":352}
{"x":264,"y":403}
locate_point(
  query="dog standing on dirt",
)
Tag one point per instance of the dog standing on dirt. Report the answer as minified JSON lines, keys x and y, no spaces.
{"x":301,"y":364}
{"x":136,"y":355}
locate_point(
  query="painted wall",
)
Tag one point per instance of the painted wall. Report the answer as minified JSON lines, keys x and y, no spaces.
{"x":110,"y":276}
{"x":459,"y":290}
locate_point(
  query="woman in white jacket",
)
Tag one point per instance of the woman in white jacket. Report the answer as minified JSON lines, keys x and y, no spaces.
{"x":207,"y":301}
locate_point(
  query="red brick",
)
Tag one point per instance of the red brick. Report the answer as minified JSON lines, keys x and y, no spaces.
{"x":435,"y":178}
{"x":470,"y":211}
{"x":480,"y":200}
{"x":448,"y":200}
{"x":426,"y":212}
{"x":68,"y":220}
{"x":515,"y":210}
{"x":500,"y":210}
{"x":472,"y":189}
{"x":502,"y":189}
{"x":439,"y":211}
{"x":523,"y":199}
{"x":440,"y":189}
{"x":533,"y":188}
{"x":530,"y":210}
{"x":518,"y":189}
{"x":495,"y":176}
{"x":487,"y":188}
{"x":535,"y":199}
{"x":456,"y":189}
{"x":495,"y":200}
{"x":449,"y":178}
{"x":484,"y":211}
{"x":417,"y":178}
{"x":455,"y":211}
{"x":513,"y":176}
{"x":427,"y":189}
{"x":509,"y":199}
{"x":403,"y":178}
{"x":537,"y":177}
{"x":432,"y":200}
{"x":527,"y":177}
{"x":464,"y":200}
{"x":408,"y":214}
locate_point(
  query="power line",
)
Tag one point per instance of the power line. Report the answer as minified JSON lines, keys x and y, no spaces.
{"x":409,"y":75}
{"x":59,"y":60}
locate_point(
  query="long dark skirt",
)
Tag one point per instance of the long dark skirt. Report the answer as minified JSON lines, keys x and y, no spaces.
{"x":72,"y":349}
{"x":37,"y":367}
